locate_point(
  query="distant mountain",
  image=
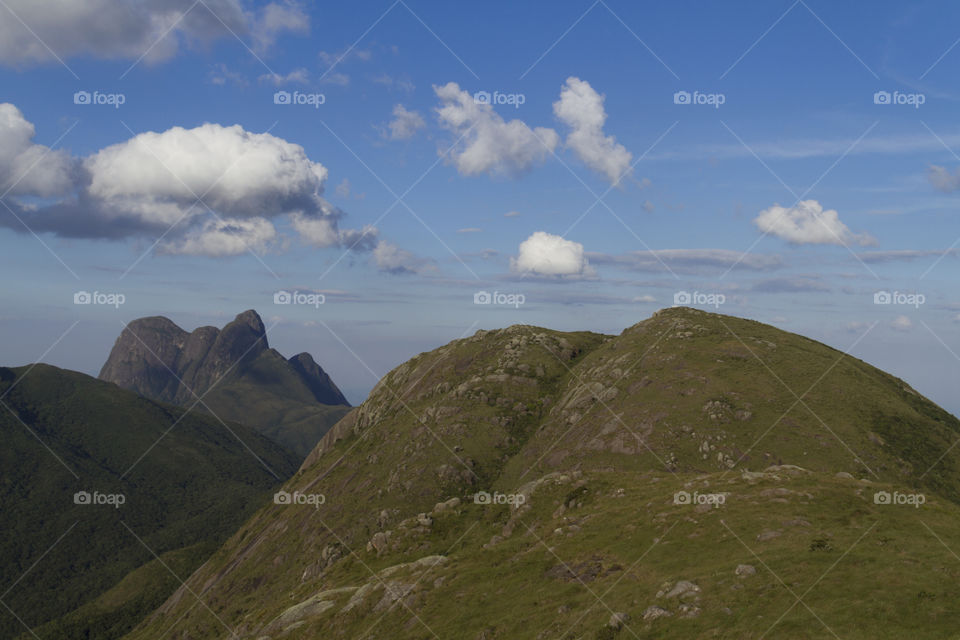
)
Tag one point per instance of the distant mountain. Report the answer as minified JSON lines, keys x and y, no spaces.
{"x":692,"y":477}
{"x":85,"y":470}
{"x":233,"y":372}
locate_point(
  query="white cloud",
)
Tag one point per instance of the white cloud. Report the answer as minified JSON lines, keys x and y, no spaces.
{"x":489,"y":144}
{"x":210,"y":190}
{"x":511,"y":214}
{"x":274,"y":19}
{"x":646,"y":298}
{"x":27,"y":168}
{"x":404,"y":124}
{"x":470,"y":230}
{"x":227,"y":237}
{"x":581,"y":109}
{"x":808,"y":223}
{"x":297,"y":76}
{"x":119,"y":29}
{"x":902,"y":323}
{"x":392,"y":259}
{"x":550,"y":255}
{"x":236,"y":172}
{"x":943,"y":179}
{"x":343,"y":189}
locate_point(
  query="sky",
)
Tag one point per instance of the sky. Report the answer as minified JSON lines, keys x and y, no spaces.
{"x":379,"y":178}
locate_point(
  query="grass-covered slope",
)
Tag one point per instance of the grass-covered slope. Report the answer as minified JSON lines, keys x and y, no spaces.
{"x":186,"y":482}
{"x":599,"y":433}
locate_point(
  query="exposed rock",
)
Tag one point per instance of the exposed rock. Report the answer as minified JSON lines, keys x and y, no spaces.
{"x":744,"y":570}
{"x":618,"y":619}
{"x":653,"y":612}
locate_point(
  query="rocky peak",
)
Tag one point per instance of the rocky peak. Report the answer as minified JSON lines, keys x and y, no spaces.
{"x":316,"y":379}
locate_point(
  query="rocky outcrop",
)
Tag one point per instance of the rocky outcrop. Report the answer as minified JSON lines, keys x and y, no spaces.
{"x":230,"y":372}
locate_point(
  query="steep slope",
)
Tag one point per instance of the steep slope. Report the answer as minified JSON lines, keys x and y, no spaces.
{"x":598,"y":434}
{"x":186,"y":483}
{"x":233,"y":372}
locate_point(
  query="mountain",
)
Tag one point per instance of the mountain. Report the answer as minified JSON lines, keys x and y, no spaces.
{"x":696,"y":476}
{"x":230,"y":372}
{"x":106,"y":495}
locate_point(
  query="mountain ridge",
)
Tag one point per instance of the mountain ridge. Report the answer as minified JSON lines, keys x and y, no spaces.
{"x":232,"y":372}
{"x":686,"y":400}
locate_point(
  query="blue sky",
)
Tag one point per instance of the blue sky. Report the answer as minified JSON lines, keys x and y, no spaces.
{"x":598,"y":198}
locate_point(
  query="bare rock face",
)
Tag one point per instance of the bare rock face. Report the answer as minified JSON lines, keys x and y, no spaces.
{"x":236,"y":373}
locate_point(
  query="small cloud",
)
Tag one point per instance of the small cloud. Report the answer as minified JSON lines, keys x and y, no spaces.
{"x":486,"y":142}
{"x":580,"y":107}
{"x":390,"y":258}
{"x":550,"y":255}
{"x":297,"y":76}
{"x":404,"y":124}
{"x":511,"y":214}
{"x":343,"y":189}
{"x":220,"y":75}
{"x":646,"y":298}
{"x":902,"y":323}
{"x":808,"y":223}
{"x":470,"y":230}
{"x":648,"y":206}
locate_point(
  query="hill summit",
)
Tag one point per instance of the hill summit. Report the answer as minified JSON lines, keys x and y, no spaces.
{"x":693,"y":477}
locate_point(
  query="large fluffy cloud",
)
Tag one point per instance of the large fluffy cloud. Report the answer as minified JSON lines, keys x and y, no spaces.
{"x":489,"y":144}
{"x":210,"y":190}
{"x":546,"y":254}
{"x":808,"y":222}
{"x":28,"y":168}
{"x":39,"y":31}
{"x":581,"y":109}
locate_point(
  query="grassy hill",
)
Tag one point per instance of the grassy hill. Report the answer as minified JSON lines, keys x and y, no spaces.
{"x":186,"y":482}
{"x":600,"y":435}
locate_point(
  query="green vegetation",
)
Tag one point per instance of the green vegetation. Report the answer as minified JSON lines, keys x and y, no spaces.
{"x":65,"y":432}
{"x":599,"y":434}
